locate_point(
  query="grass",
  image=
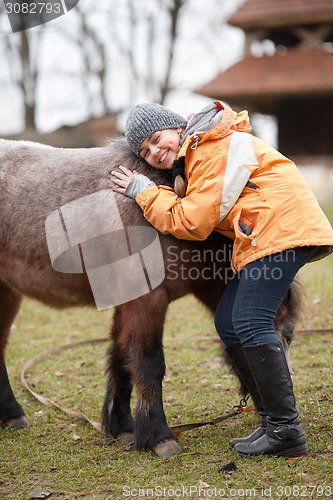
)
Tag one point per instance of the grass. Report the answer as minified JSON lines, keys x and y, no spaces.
{"x":71,"y":459}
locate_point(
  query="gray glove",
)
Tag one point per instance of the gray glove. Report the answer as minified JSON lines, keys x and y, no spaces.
{"x":137,"y":184}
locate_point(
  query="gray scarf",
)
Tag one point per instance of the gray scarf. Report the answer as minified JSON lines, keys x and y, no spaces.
{"x":201,"y":119}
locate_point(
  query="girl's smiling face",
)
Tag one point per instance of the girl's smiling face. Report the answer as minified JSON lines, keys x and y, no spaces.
{"x":160,"y":149}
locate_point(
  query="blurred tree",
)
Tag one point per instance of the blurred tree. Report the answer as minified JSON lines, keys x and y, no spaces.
{"x":128,"y":28}
{"x":27,"y":77}
{"x":20,"y":57}
{"x":151,"y":34}
{"x":107,"y":56}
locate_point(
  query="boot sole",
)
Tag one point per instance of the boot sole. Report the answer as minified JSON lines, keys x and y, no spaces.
{"x":298,"y":451}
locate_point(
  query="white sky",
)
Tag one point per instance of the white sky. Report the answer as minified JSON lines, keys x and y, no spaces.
{"x":206,"y":48}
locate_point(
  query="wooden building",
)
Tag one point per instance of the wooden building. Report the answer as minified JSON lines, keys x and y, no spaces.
{"x":294,"y":81}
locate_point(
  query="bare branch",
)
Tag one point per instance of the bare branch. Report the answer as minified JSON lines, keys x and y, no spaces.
{"x":174,"y":13}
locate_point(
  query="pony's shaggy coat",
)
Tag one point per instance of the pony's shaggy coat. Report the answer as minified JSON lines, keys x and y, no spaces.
{"x":35,"y":180}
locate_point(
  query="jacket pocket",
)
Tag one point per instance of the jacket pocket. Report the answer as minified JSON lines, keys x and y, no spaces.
{"x":246,"y":230}
{"x":251,"y":185}
{"x":246,"y":223}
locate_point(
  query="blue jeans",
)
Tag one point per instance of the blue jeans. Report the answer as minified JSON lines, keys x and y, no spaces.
{"x":252,"y":297}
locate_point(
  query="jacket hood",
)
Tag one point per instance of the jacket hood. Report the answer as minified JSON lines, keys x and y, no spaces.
{"x":229,"y":122}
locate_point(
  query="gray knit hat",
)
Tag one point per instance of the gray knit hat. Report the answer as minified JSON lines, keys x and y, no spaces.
{"x":145,"y":119}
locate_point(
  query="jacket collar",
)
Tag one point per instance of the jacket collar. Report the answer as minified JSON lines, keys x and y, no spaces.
{"x":227,"y":122}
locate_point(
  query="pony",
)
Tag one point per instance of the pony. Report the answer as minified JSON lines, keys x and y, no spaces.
{"x":35,"y":180}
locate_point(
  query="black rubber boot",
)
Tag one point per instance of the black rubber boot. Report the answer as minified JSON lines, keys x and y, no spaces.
{"x":284,"y":435}
{"x":243,"y":370}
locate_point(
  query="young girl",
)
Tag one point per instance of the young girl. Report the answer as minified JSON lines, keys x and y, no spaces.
{"x":240,"y":186}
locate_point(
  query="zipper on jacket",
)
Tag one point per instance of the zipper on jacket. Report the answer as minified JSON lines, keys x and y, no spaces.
{"x":196,"y":139}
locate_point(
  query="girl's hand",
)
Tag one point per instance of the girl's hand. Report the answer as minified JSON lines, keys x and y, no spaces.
{"x":122,"y":179}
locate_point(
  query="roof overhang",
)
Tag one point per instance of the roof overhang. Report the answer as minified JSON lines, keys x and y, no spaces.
{"x":295,"y":73}
{"x":256,"y":14}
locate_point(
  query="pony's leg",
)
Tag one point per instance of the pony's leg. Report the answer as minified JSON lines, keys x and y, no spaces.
{"x":141,"y":336}
{"x":11,"y":412}
{"x":209,"y":295}
{"x":116,"y":413}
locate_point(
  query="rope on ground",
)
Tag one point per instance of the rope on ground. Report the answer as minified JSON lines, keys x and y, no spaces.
{"x":47,"y":401}
{"x":177,"y":429}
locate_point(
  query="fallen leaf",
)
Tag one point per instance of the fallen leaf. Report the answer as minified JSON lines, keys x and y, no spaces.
{"x":40,"y":494}
{"x":80,"y":365}
{"x":330,"y":447}
{"x":203,"y":485}
{"x":76,"y":438}
{"x":60,"y":374}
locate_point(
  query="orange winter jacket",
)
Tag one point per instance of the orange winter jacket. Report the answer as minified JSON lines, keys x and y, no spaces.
{"x":243,"y":188}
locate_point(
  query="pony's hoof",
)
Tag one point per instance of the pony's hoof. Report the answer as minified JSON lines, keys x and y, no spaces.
{"x":126,"y":438}
{"x":18,"y":423}
{"x":167,"y":449}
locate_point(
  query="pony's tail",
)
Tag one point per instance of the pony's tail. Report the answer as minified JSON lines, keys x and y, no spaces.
{"x":291,"y":309}
{"x":289,"y":312}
